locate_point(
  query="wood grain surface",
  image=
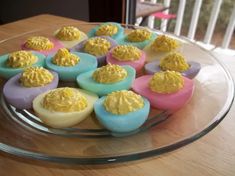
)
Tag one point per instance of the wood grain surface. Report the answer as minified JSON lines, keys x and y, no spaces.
{"x":213,"y":154}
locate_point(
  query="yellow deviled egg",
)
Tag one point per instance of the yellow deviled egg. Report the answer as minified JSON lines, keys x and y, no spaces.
{"x":69,"y":36}
{"x":64,"y":107}
{"x":160,"y":47}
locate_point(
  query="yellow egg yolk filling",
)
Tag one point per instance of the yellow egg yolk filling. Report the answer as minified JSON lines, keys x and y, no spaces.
{"x":64,"y":100}
{"x":126,"y":53}
{"x":164,"y":44}
{"x":174,"y":62}
{"x":39,"y":43}
{"x":68,"y":33}
{"x":107,"y":30}
{"x":166,"y":82}
{"x":97,"y":46}
{"x":123,"y":102}
{"x":21,"y":59}
{"x":64,"y":58}
{"x":36,"y":77}
{"x":139,"y":35}
{"x":109,"y":74}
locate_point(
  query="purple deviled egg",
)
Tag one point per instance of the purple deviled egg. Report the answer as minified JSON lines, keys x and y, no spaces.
{"x":96,"y":46}
{"x":22,"y":88}
{"x":174,"y":62}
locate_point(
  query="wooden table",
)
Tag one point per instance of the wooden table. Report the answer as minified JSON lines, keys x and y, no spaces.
{"x":213,"y":154}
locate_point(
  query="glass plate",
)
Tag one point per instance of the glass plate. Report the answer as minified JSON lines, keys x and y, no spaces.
{"x":22,"y":133}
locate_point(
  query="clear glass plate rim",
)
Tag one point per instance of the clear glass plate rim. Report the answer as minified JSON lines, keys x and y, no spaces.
{"x":139,"y":155}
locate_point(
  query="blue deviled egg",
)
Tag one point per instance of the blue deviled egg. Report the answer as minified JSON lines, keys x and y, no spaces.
{"x":70,"y":65}
{"x":111,"y":29}
{"x":138,"y":38}
{"x":122,"y":111}
{"x":15,"y":62}
{"x":107,"y":79}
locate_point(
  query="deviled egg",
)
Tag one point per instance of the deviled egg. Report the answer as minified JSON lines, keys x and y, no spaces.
{"x":138,"y":37}
{"x":64,"y":107}
{"x":69,"y":36}
{"x":127,"y":55}
{"x":96,"y":46}
{"x":167,"y":90}
{"x":161,"y":46}
{"x":41,"y":44}
{"x":15,"y":62}
{"x":174,"y":61}
{"x":70,"y":64}
{"x":107,"y":79}
{"x":22,"y":88}
{"x":111,"y":29}
{"x":122,"y":111}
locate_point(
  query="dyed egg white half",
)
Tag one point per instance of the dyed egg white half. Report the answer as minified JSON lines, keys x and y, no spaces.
{"x":100,"y":59}
{"x":21,"y":97}
{"x":154,"y":55}
{"x":86,"y":82}
{"x":153,"y":67}
{"x":137,"y":64}
{"x":57,"y":45}
{"x":121,"y":123}
{"x":63,"y":119}
{"x":171,"y":101}
{"x":87,"y":62}
{"x":70,"y":44}
{"x":7,"y":72}
{"x":117,"y":36}
{"x":140,"y":45}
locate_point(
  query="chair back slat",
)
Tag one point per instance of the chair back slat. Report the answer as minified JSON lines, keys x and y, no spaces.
{"x":180,"y":16}
{"x":229,"y":30}
{"x":194,"y":19}
{"x":212,"y":21}
{"x":166,"y":3}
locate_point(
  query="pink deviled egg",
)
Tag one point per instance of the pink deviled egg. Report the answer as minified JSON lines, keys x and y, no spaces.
{"x":42,"y":45}
{"x":127,"y":55}
{"x":167,"y":90}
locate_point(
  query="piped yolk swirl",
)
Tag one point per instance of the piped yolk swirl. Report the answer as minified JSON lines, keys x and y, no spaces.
{"x":20,"y":59}
{"x":64,"y":58}
{"x":123,"y":102}
{"x":126,"y":53}
{"x":174,"y":62}
{"x":97,"y":46}
{"x":139,"y":35}
{"x":107,"y":30}
{"x":64,"y":100}
{"x":109,"y":74}
{"x":68,"y":33}
{"x":35,"y":77}
{"x":39,"y":43}
{"x":166,"y":82}
{"x":164,"y":44}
